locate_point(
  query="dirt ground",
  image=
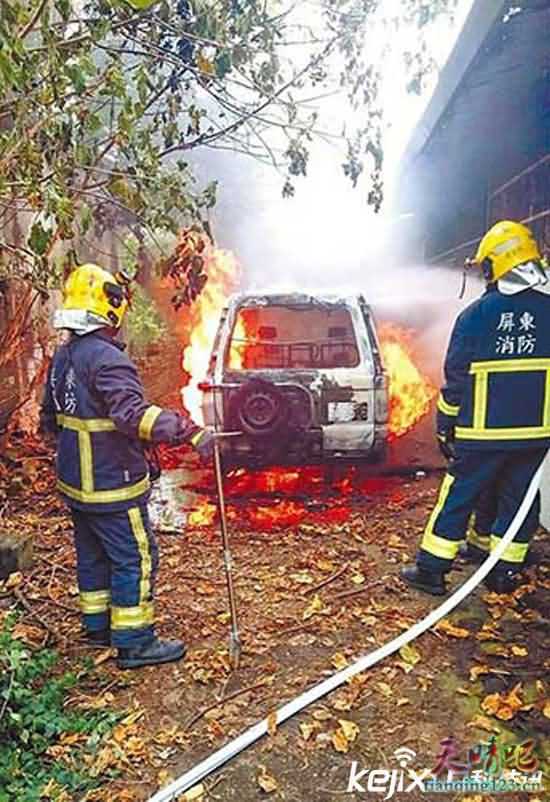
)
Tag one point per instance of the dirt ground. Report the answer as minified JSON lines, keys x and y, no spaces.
{"x":312,"y":598}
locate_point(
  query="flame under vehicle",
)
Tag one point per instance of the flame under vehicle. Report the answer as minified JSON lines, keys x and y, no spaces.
{"x":298,"y":378}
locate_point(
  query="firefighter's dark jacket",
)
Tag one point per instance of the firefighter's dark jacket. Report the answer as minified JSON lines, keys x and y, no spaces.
{"x":94,"y":403}
{"x":497,"y":373}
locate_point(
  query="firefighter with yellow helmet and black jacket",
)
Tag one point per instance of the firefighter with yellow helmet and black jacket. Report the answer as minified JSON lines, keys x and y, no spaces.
{"x":494,"y":409}
{"x":95,"y":406}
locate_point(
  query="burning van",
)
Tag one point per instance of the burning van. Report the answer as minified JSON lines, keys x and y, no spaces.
{"x":297,"y":378}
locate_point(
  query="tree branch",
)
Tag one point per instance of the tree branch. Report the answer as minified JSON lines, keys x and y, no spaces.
{"x":33,"y":20}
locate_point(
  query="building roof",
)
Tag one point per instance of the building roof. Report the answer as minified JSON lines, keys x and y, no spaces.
{"x":488,"y":120}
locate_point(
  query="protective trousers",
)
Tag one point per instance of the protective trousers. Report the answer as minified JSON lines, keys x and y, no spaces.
{"x":471,"y":475}
{"x":117,"y":561}
{"x":485,"y":514}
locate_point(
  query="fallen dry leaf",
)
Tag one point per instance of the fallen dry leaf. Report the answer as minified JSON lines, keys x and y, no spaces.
{"x":342,"y":702}
{"x":104,"y":656}
{"x":488,"y":632}
{"x":272,"y":723}
{"x":384,"y":689}
{"x":349,"y":728}
{"x":479,"y":671}
{"x":503,"y":706}
{"x":546,"y":709}
{"x":410,"y":654}
{"x":316,"y":606}
{"x":307,"y":730}
{"x":519,"y":651}
{"x":215,"y":728}
{"x":339,"y":661}
{"x":340,"y":742}
{"x":205,"y":588}
{"x":424,"y":683}
{"x":482,"y":723}
{"x":322,"y":714}
{"x":194,"y":794}
{"x":358,"y":579}
{"x":13,"y":581}
{"x":267,"y":782}
{"x":325,"y":565}
{"x":303,"y":578}
{"x":164,"y":778}
{"x":451,"y":630}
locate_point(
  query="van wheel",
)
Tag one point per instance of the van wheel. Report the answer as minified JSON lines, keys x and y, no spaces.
{"x":259,"y":409}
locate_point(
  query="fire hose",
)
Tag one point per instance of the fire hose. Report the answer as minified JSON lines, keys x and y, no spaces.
{"x":254,"y":733}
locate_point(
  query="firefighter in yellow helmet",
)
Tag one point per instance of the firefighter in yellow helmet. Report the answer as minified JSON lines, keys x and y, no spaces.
{"x":493,"y":417}
{"x":95,"y":406}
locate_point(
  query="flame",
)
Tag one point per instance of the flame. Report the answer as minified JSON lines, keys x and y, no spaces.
{"x":410,"y":391}
{"x":224,"y":276}
{"x":204,"y":514}
{"x":283,"y":496}
{"x":237,"y":349}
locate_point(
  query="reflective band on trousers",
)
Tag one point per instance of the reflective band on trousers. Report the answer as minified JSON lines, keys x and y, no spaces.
{"x":440,"y":546}
{"x":447,"y":409}
{"x":132,"y":617}
{"x":475,"y":539}
{"x":105,"y":496}
{"x":148,"y":421}
{"x":142,"y":540}
{"x":432,"y":543}
{"x":514,"y":553}
{"x":94,"y":601}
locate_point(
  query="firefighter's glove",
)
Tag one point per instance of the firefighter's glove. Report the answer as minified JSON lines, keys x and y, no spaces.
{"x":203,"y":442}
{"x":446,"y":443}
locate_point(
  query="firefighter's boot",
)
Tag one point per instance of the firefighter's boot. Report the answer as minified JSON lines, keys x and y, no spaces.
{"x":100,"y":637}
{"x":151,"y":654}
{"x":500,"y":581}
{"x":427,"y":581}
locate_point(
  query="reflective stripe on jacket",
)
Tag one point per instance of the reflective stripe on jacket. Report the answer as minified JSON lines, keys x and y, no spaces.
{"x":94,"y":402}
{"x":497,"y":373}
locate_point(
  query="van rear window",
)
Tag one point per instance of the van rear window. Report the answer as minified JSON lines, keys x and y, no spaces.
{"x":292,"y":338}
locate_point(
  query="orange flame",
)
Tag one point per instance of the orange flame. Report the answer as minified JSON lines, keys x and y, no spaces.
{"x":203,"y":515}
{"x":224,"y":276}
{"x":283,"y":496}
{"x":410,"y":392}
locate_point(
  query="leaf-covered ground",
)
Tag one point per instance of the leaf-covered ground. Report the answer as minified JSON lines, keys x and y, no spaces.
{"x":312,"y":598}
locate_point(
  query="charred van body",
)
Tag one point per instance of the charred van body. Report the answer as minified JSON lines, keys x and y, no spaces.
{"x":300,"y":378}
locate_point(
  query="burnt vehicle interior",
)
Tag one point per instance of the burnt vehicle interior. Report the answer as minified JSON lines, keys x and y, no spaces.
{"x":284,"y":337}
{"x":278,"y":392}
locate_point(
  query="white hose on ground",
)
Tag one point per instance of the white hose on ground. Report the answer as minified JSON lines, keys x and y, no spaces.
{"x":250,"y":736}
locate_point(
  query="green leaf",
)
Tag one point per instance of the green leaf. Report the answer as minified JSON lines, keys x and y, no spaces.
{"x":76,"y":76}
{"x":39,"y":238}
{"x":7,"y":69}
{"x":223,"y":64}
{"x":86,"y":218}
{"x":64,"y":8}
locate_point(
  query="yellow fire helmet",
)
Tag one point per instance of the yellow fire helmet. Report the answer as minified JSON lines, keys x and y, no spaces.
{"x":505,"y":246}
{"x":92,"y":298}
